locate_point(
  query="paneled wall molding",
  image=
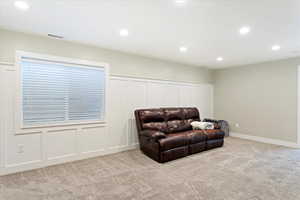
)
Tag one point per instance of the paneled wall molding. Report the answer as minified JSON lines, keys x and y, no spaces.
{"x":25,"y":166}
{"x":41,"y":147}
{"x":8,"y":65}
{"x":28,"y":131}
{"x":183,"y":89}
{"x":126,"y":78}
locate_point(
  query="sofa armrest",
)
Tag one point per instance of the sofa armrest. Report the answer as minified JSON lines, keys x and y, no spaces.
{"x":153,"y":135}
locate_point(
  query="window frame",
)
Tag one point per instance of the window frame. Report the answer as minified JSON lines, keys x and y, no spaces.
{"x":69,"y":62}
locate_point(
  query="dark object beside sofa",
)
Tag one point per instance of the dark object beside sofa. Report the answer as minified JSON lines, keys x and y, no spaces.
{"x":222,"y":124}
{"x":166,"y":134}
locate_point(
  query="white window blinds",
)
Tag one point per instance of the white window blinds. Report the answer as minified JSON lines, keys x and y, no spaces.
{"x":61,"y":93}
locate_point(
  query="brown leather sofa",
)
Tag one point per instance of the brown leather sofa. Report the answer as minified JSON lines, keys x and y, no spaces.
{"x":166,"y":134}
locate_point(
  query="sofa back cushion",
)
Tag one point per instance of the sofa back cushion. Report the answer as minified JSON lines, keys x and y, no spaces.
{"x":174,"y":119}
{"x":152,"y":119}
{"x":167,"y":120}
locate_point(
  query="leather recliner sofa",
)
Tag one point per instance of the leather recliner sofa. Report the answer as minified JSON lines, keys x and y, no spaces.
{"x":166,"y":133}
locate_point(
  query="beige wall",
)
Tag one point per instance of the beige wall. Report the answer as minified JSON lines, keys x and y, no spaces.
{"x":261,"y":98}
{"x":121,"y":63}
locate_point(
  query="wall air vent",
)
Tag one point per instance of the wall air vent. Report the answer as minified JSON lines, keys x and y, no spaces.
{"x":55,"y":36}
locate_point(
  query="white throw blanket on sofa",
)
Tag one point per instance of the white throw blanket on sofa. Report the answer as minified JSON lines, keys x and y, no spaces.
{"x":202,"y":125}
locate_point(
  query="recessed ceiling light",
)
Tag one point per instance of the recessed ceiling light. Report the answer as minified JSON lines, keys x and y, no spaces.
{"x":22,"y":5}
{"x":219,"y":59}
{"x":180,"y":2}
{"x":124,"y":32}
{"x":276,"y":47}
{"x":183,"y":49}
{"x":244,"y":30}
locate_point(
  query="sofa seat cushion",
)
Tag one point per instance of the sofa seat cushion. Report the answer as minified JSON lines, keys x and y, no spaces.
{"x":214,"y":134}
{"x":174,"y":153}
{"x":173,"y":141}
{"x":195,"y":136}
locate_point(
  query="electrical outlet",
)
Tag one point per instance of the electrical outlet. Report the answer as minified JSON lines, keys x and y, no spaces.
{"x":20,"y":148}
{"x":237,"y":125}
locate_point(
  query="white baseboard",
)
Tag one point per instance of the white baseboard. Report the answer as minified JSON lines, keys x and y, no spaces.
{"x":10,"y":169}
{"x":265,"y":140}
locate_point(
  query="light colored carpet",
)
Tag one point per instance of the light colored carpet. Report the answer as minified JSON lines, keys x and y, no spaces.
{"x":241,"y":170}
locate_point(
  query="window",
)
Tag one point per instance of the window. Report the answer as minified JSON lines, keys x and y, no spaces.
{"x":56,"y":92}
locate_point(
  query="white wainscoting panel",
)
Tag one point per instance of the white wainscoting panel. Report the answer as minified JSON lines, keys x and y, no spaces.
{"x":61,"y":143}
{"x":200,"y":96}
{"x":125,"y":97}
{"x":163,"y":95}
{"x":41,"y":147}
{"x":92,"y":139}
{"x":23,"y":149}
{"x":117,"y":116}
{"x":136,"y":97}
